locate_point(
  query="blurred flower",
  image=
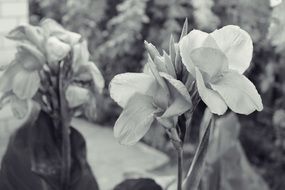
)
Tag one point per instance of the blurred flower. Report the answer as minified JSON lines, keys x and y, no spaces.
{"x":85,"y":70}
{"x":22,"y":76}
{"x":146,"y":97}
{"x":218,"y":61}
{"x":52,"y":28}
{"x":56,"y":50}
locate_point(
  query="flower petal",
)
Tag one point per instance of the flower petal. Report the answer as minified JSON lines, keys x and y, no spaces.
{"x":26,"y":84}
{"x":29,"y":57}
{"x":209,"y":60}
{"x":124,"y":86}
{"x":56,"y":49}
{"x":135,"y":120}
{"x":76,"y":96}
{"x":80,"y":55}
{"x":188,"y":43}
{"x":236,"y":44}
{"x":238,"y":92}
{"x":211,"y":98}
{"x":52,"y":28}
{"x":19,"y":107}
{"x":97,"y":76}
{"x":181,"y":100}
{"x":7,"y":77}
{"x":24,"y":33}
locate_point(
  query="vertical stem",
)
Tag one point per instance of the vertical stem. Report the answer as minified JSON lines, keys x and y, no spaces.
{"x":65,"y":124}
{"x":179,"y":168}
{"x":177,"y":143}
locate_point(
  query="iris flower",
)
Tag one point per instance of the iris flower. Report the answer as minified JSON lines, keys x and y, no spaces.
{"x":155,"y":95}
{"x":217,"y":61}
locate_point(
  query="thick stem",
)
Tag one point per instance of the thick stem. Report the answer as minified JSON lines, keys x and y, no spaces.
{"x":65,"y":124}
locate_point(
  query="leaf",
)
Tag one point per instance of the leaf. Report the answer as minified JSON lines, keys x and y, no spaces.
{"x":33,"y":161}
{"x":135,"y":120}
{"x":195,"y":172}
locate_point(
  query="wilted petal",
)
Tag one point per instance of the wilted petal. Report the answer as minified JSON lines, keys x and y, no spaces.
{"x":26,"y":84}
{"x":135,"y":120}
{"x":191,"y":41}
{"x":236,"y":44}
{"x":124,"y":86}
{"x":7,"y":77}
{"x":76,"y":96}
{"x":238,"y":92}
{"x":211,"y":98}
{"x":52,"y":28}
{"x":209,"y":60}
{"x":181,"y":100}
{"x":19,"y":107}
{"x":56,"y":49}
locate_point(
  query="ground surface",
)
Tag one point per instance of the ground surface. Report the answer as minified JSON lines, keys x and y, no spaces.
{"x":109,"y":160}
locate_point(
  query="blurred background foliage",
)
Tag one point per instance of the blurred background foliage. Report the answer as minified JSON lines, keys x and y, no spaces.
{"x":116,"y":30}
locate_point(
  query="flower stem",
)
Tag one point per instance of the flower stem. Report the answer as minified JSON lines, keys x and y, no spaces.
{"x":177,"y":143}
{"x":179,"y":168}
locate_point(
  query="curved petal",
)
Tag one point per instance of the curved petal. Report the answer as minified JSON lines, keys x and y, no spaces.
{"x":181,"y":100}
{"x":209,"y":60}
{"x":76,"y":96}
{"x":7,"y":77}
{"x":238,"y":92}
{"x":26,"y":84}
{"x":97,"y":76}
{"x":19,"y":107}
{"x":56,"y":50}
{"x":187,"y":44}
{"x":52,"y":28}
{"x":80,"y":55}
{"x":135,"y":120}
{"x":29,"y":59}
{"x":211,"y":98}
{"x":32,"y":34}
{"x":124,"y":86}
{"x":236,"y":44}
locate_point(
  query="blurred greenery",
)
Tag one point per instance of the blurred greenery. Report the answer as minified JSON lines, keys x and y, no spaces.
{"x":116,"y":30}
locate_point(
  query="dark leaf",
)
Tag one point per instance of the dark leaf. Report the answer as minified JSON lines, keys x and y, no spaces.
{"x":33,"y":159}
